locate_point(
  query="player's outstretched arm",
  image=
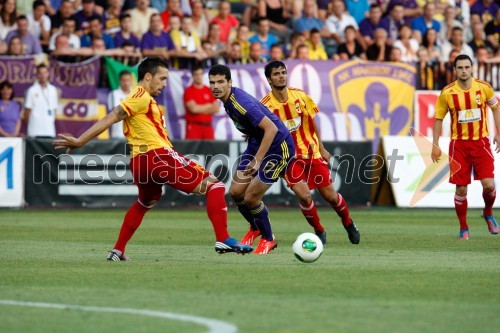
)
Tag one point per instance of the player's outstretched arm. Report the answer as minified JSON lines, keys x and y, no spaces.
{"x":69,"y":142}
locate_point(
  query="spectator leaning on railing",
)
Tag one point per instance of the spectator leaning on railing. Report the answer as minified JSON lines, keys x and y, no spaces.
{"x":125,"y":34}
{"x":68,"y":29}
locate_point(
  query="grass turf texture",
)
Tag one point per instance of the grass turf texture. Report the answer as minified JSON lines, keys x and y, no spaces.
{"x":409,"y":274}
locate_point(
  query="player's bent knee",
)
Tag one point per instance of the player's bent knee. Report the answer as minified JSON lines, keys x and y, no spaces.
{"x":149,"y":204}
{"x":489,"y":188}
{"x":235,"y":193}
{"x":305,"y":198}
{"x":251,"y":199}
{"x":149,"y":201}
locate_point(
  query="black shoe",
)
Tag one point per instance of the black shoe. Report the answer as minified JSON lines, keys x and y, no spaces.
{"x":322,"y":236}
{"x":113,"y":256}
{"x":353,"y":233}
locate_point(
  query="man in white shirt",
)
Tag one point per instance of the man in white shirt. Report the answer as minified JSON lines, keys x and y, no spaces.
{"x":335,"y":25}
{"x":41,"y":105}
{"x":39,"y":23}
{"x":68,"y":29}
{"x":456,"y":42}
{"x":115,"y":97}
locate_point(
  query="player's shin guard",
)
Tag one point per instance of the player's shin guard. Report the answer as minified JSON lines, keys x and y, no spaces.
{"x":131,"y":222}
{"x":461,"y":210}
{"x":243,"y":209}
{"x":342,"y":210}
{"x":311,"y":214}
{"x":261,"y":218}
{"x":217,"y":210}
{"x":489,"y":199}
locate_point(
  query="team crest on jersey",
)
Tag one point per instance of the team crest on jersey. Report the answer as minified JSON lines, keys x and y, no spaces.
{"x":297,"y":107}
{"x":478,"y":99}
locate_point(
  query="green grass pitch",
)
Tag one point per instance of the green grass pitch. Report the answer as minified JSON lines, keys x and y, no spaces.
{"x":409,"y":274}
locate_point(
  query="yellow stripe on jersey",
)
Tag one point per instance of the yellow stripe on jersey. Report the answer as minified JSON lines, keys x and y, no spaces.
{"x":297,"y":113}
{"x":467,"y":108}
{"x":144,"y":128}
{"x":237,"y":105}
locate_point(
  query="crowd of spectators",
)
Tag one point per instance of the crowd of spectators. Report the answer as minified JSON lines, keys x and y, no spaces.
{"x":200,"y":33}
{"x":190,"y":33}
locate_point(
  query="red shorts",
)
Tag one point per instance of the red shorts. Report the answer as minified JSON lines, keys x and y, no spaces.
{"x":199,"y":131}
{"x":313,"y":171}
{"x":161,"y":166}
{"x":470,"y":155}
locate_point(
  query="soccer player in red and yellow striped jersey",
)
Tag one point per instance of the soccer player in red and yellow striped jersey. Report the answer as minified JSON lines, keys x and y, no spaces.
{"x":154,"y":162}
{"x":310,"y":166}
{"x":466,"y":100}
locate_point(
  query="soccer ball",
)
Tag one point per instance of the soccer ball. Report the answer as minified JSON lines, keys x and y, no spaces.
{"x":308,"y":247}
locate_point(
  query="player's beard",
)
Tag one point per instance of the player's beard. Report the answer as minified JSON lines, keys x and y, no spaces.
{"x":277,"y":87}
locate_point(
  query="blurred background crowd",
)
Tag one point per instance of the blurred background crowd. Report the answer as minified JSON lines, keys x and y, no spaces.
{"x":194,"y":34}
{"x":191,"y":33}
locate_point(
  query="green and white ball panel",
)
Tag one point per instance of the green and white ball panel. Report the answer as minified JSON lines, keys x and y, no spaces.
{"x":308,"y":247}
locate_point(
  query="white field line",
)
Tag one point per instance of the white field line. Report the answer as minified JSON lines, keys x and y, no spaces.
{"x":213,"y":325}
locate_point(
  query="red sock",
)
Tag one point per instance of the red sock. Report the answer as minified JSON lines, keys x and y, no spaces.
{"x":342,"y":210}
{"x":217,"y":210}
{"x":131,"y":222}
{"x":461,"y":210}
{"x":489,"y":200}
{"x":311,"y":215}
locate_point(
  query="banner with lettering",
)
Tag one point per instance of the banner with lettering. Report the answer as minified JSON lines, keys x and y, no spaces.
{"x":77,"y":85}
{"x":358,"y":100}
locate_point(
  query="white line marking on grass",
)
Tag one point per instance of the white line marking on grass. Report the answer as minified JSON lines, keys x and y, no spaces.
{"x":214,"y":325}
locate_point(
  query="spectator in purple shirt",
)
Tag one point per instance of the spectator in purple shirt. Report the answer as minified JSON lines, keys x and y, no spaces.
{"x":126,"y":34}
{"x":10,"y":111}
{"x":83,"y":17}
{"x":31,"y":43}
{"x":374,"y":20}
{"x":487,"y":9}
{"x":157,"y":42}
{"x":394,"y":21}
